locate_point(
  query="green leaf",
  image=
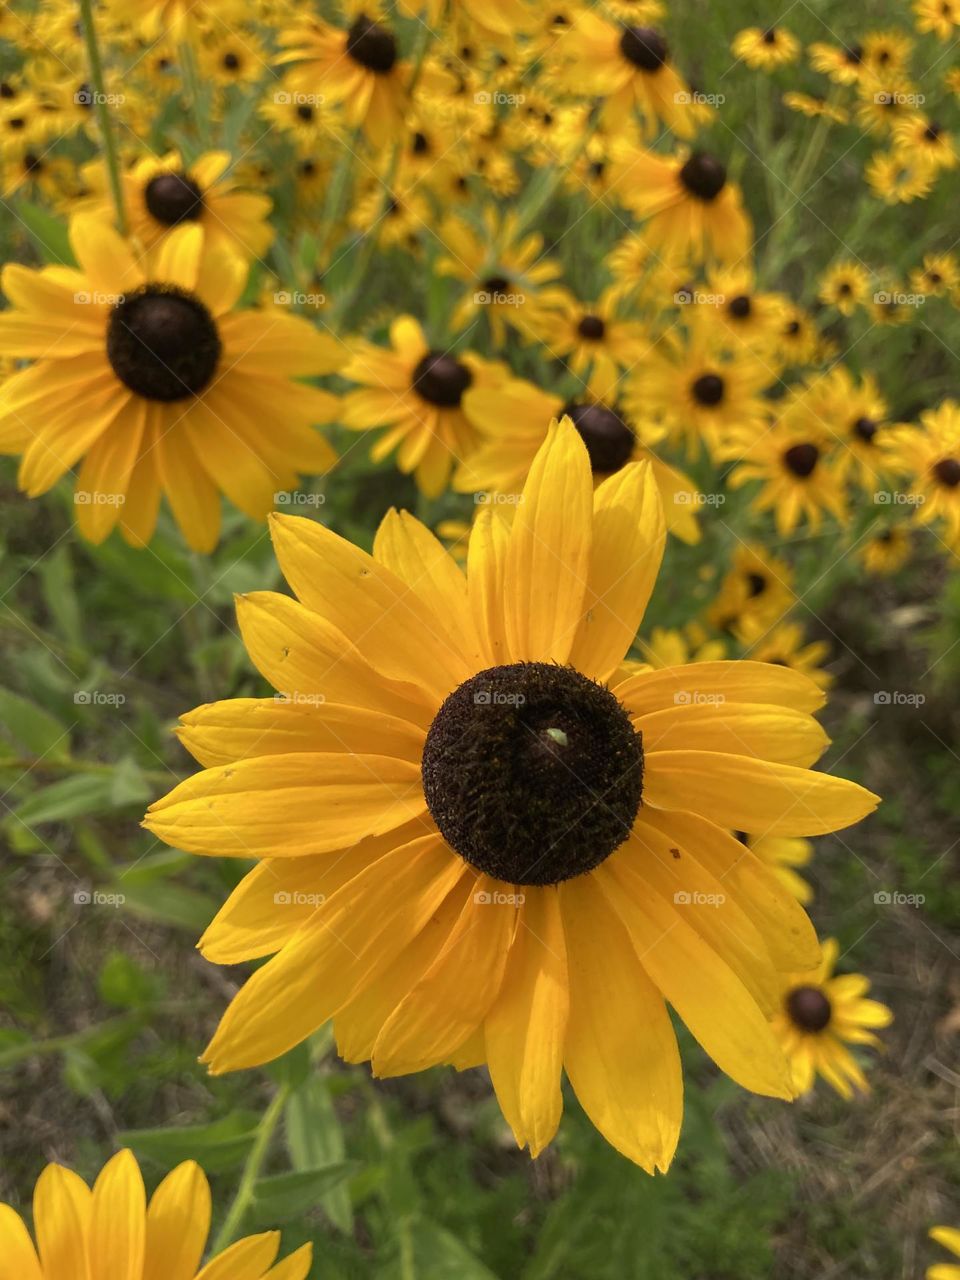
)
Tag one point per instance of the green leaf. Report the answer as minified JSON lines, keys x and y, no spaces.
{"x":168,"y":903}
{"x":49,"y":233}
{"x":33,"y":728}
{"x":70,"y":798}
{"x":439,"y":1255}
{"x":315,"y":1140}
{"x":219,"y":1146}
{"x":123,"y":983}
{"x":56,"y":576}
{"x":286,"y":1196}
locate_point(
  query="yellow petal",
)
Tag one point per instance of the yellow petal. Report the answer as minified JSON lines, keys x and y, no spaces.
{"x":526,"y":1028}
{"x":709,"y":997}
{"x":104,"y":478}
{"x":735,"y":681}
{"x":61,"y":1219}
{"x":245,"y":1259}
{"x":176,"y":259}
{"x":288,"y":805}
{"x":397,"y":633}
{"x":294,"y":1267}
{"x":621,"y":1052}
{"x":242,"y":728}
{"x":192,"y":495}
{"x":118,"y":1220}
{"x":18,"y":1258}
{"x":486,"y":561}
{"x":749,"y":729}
{"x":178,"y":1222}
{"x":453,"y":996}
{"x":351,"y":938}
{"x":754,"y":795}
{"x":548,"y":558}
{"x":628,"y":540}
{"x":104,"y":256}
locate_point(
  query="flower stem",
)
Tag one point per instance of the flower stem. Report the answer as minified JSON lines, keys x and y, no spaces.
{"x":101,"y":105}
{"x":251,"y":1170}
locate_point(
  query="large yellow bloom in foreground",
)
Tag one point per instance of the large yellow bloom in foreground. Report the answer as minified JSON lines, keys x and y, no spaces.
{"x":111,"y":1233}
{"x":144,"y":371}
{"x":481,"y":839}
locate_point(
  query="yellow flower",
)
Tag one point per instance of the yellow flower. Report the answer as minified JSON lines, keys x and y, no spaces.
{"x":593,"y":339}
{"x":937,"y":17}
{"x":842,"y":63}
{"x":821,"y":1014}
{"x":763,"y":49}
{"x":630,"y":68}
{"x":939,"y":275}
{"x":433,"y":773}
{"x":161,"y":194}
{"x":759,"y":584}
{"x":111,"y":1231}
{"x":887,"y":550}
{"x":926,"y":140}
{"x":813,"y":107}
{"x":930,"y":456}
{"x":792,"y":460}
{"x":783,"y":854}
{"x":845,"y":286}
{"x":143,"y":370}
{"x":785,"y":644}
{"x":949,"y":1237}
{"x":358,"y":69}
{"x":513,"y":418}
{"x":854,"y":412}
{"x":417,"y":392}
{"x":692,"y":212}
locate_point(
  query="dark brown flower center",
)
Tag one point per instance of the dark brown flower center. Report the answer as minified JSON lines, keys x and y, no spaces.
{"x":591,"y":327}
{"x":173,"y":198}
{"x":708,"y":390}
{"x":533,"y":773}
{"x":947,"y":471}
{"x":865,"y":429}
{"x":608,"y":439}
{"x":372,"y":45}
{"x":801,"y":459}
{"x":704,"y":176}
{"x":163,"y":343}
{"x":740,"y":306}
{"x":441,"y":379}
{"x":808,"y":1008}
{"x":644,"y":47}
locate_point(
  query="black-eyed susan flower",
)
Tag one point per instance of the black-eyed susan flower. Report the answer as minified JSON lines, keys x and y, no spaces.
{"x":822,"y":1013}
{"x":883,"y":100}
{"x":783,"y":855}
{"x":758,"y":584}
{"x":855,"y":413}
{"x":929,"y":455}
{"x":509,"y":280}
{"x":629,"y":67}
{"x":900,"y":176}
{"x":596,"y":341}
{"x":417,"y":393}
{"x":887,"y":52}
{"x":939,"y":275}
{"x":692,"y":211}
{"x":111,"y":1231}
{"x":513,"y":420}
{"x":845,"y":286}
{"x":937,"y":17}
{"x":949,"y":1237}
{"x":358,"y":69}
{"x":842,"y":63}
{"x":785,"y":644}
{"x":699,"y":386}
{"x":799,"y":341}
{"x":794,"y":461}
{"x":742,"y":313}
{"x":161,"y":193}
{"x":918,"y":136}
{"x":765,"y":48}
{"x":886,"y":550}
{"x":672,"y":647}
{"x":142,"y":370}
{"x":815,"y":108}
{"x":434,"y":773}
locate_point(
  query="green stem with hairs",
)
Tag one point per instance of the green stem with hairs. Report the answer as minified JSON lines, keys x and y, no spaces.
{"x":110,"y":152}
{"x":251,"y":1170}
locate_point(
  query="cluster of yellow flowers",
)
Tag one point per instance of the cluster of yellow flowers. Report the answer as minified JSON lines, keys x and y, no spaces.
{"x":492,"y":817}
